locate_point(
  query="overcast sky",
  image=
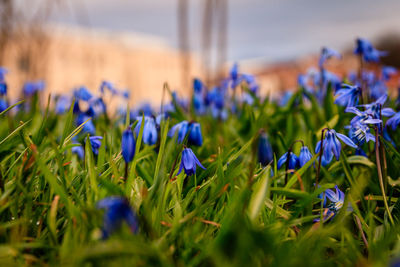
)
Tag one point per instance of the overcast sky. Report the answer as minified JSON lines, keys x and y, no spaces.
{"x":272,"y":30}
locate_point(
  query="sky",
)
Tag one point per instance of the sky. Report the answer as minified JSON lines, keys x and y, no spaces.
{"x":270,"y":30}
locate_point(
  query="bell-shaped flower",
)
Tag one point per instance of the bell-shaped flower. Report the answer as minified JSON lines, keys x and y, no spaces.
{"x":150,"y":133}
{"x":195,"y":137}
{"x":180,"y":129}
{"x":265,"y":153}
{"x":128,"y":145}
{"x":293,"y":161}
{"x":348,"y":95}
{"x":304,"y":156}
{"x":189,"y":162}
{"x":95,"y":142}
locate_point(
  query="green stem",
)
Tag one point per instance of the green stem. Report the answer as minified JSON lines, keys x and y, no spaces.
{"x":378,"y":165}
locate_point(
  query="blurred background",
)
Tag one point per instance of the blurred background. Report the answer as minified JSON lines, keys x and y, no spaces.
{"x":139,"y":45}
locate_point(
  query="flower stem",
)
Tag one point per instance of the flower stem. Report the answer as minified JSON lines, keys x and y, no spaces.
{"x":126,"y":171}
{"x":320,"y":157}
{"x":378,"y":165}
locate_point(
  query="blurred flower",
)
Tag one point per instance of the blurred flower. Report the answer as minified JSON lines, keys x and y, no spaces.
{"x":30,"y":88}
{"x":3,"y":72}
{"x":88,"y":127}
{"x":117,"y":211}
{"x":78,"y":150}
{"x":394,"y":121}
{"x":265,"y":153}
{"x":106,"y":85}
{"x":3,"y":88}
{"x":150,"y":134}
{"x":63,"y":104}
{"x":327,"y":53}
{"x":195,"y":138}
{"x":197,"y":85}
{"x":293,"y":161}
{"x":305,"y":156}
{"x":251,"y":82}
{"x":189,"y":162}
{"x":388,"y":72}
{"x":3,"y":104}
{"x":365,"y":49}
{"x":128,"y":145}
{"x":95,"y":142}
{"x":332,"y":145}
{"x":348,"y":95}
{"x":181,"y":129}
{"x":82,"y":93}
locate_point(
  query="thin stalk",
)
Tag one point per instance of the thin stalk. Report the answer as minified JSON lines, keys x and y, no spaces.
{"x":288,"y":157}
{"x":358,"y":222}
{"x":126,"y":171}
{"x":320,"y":157}
{"x":378,"y":164}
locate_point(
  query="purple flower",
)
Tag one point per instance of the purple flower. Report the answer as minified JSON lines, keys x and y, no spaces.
{"x":348,"y":95}
{"x":189,"y":162}
{"x":117,"y":211}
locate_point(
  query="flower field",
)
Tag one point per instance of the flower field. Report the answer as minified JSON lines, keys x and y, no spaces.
{"x":227,"y":177}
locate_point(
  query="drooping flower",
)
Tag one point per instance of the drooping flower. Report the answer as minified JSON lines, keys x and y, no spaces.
{"x":88,"y":127}
{"x":180,"y":129}
{"x":265,"y":153}
{"x":327,"y":53}
{"x":95,"y":142}
{"x":348,"y":95}
{"x":63,"y":104}
{"x":82,"y":93}
{"x":305,"y":156}
{"x":128,"y":145}
{"x":117,"y":211}
{"x":197,"y":85}
{"x":365,"y":49}
{"x":195,"y":138}
{"x":189,"y":162}
{"x":150,"y":133}
{"x":106,"y":85}
{"x":31,"y":88}
{"x":293,"y":161}
{"x":332,"y":146}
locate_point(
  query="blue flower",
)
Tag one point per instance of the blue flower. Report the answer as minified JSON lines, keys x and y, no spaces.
{"x":327,"y":53}
{"x":189,"y":162}
{"x":31,"y":88}
{"x":106,"y":85}
{"x":365,"y":49}
{"x":251,"y":82}
{"x":336,"y":203}
{"x":78,"y":150}
{"x":394,"y":121}
{"x":388,"y":72}
{"x":117,"y":211}
{"x":305,"y":156}
{"x":235,"y":78}
{"x":63,"y":104}
{"x":3,"y":104}
{"x":195,"y":138}
{"x":128,"y":145}
{"x":197,"y":85}
{"x":3,"y":88}
{"x":348,"y":95}
{"x":332,"y":145}
{"x":150,"y":133}
{"x":293,"y":161}
{"x":88,"y":127}
{"x":376,"y":110}
{"x":265,"y":153}
{"x":82,"y":93}
{"x":181,"y":129}
{"x":95,"y":142}
{"x":96,"y":107}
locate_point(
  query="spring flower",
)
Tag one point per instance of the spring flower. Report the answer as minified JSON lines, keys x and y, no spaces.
{"x":106,"y":85}
{"x":63,"y":104}
{"x":365,"y":49}
{"x":388,"y":72}
{"x":336,"y":203}
{"x":150,"y":134}
{"x":88,"y":127}
{"x":293,"y":161}
{"x":394,"y":121}
{"x":305,"y":156}
{"x":197,"y":85}
{"x":117,"y":211}
{"x":95,"y":142}
{"x":376,"y":110}
{"x":195,"y":138}
{"x":3,"y":104}
{"x":251,"y":82}
{"x":32,"y":87}
{"x":332,"y":146}
{"x":327,"y":53}
{"x":78,"y":150}
{"x":3,"y":72}
{"x":348,"y":95}
{"x":82,"y":93}
{"x":265,"y":153}
{"x":128,"y":145}
{"x":181,"y":129}
{"x":189,"y":162}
